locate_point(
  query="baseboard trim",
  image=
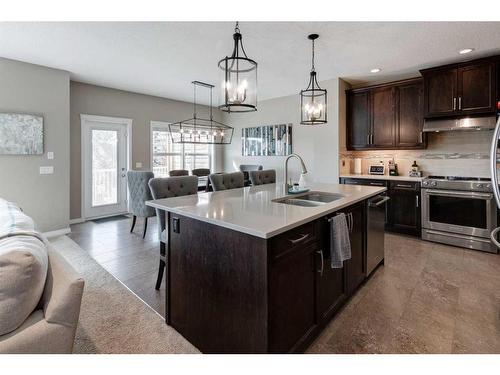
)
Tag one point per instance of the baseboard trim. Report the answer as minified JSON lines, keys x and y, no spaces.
{"x":77,"y":221}
{"x":55,"y":233}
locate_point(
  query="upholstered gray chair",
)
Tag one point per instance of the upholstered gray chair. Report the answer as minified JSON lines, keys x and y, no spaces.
{"x":167,"y":188}
{"x":225,"y":181}
{"x":267,"y":176}
{"x":178,"y":172}
{"x":246,"y":168}
{"x":200,"y":172}
{"x":139,"y":194}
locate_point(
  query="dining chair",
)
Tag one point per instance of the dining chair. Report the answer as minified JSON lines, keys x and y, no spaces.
{"x":226,"y":181}
{"x":178,"y":172}
{"x":267,"y":176}
{"x":200,"y":172}
{"x":139,"y":193}
{"x":246,"y":168}
{"x":167,"y":188}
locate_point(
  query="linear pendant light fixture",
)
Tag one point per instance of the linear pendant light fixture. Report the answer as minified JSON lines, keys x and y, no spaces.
{"x":313,"y":98}
{"x":239,"y":79}
{"x":199,"y":129}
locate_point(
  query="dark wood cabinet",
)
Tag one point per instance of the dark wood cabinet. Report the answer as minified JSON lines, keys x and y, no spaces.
{"x":410,"y":116}
{"x":359,"y":131}
{"x":440,"y":92}
{"x":476,"y":88}
{"x":403,"y":210}
{"x":460,"y":89}
{"x":383,"y":117}
{"x":291,"y":296}
{"x":355,"y":267}
{"x":386,"y":116}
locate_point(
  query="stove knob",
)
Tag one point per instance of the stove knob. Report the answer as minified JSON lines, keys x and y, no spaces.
{"x":488,"y":186}
{"x":479,"y":186}
{"x":425,"y":183}
{"x":433,"y":183}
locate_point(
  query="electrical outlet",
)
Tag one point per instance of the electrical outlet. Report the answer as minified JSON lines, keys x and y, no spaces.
{"x":50,"y":155}
{"x":47,"y":170}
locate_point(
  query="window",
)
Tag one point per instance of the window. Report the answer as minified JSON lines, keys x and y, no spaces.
{"x":167,"y":156}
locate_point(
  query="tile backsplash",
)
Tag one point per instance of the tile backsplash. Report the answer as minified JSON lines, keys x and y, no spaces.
{"x":459,"y":153}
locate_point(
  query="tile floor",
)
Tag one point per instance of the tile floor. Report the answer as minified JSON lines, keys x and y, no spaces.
{"x":427,"y":298}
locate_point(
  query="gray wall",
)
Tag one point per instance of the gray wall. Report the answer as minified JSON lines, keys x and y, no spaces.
{"x":28,"y":88}
{"x":317,"y":145}
{"x":142,"y":109}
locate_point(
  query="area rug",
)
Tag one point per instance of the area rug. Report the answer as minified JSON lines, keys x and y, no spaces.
{"x":113,"y":319}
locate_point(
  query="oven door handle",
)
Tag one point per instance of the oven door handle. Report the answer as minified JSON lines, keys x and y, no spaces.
{"x":455,"y":193}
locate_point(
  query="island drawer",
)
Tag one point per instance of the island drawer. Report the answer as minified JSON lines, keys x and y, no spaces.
{"x":295,"y":238}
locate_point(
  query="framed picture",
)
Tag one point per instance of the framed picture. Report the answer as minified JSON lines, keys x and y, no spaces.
{"x":21,"y":134}
{"x":267,"y":140}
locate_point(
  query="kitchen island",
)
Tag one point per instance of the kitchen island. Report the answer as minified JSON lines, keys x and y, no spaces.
{"x":248,"y":270}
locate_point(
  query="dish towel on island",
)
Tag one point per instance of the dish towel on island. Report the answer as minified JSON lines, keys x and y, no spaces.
{"x":340,"y":245}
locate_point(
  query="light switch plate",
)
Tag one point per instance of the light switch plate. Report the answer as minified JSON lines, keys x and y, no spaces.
{"x":47,"y":170}
{"x":50,"y":155}
{"x":138,"y":165}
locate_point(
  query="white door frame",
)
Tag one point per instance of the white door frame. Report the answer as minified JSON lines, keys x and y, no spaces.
{"x":84,"y":120}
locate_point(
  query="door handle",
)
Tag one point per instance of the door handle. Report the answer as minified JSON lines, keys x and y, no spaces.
{"x":454,"y":104}
{"x":300,"y":239}
{"x":320,"y":252}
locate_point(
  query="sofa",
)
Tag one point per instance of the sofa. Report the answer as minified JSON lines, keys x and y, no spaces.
{"x":40,"y":293}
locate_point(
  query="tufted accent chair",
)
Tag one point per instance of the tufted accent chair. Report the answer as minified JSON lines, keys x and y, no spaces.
{"x":178,"y":172}
{"x":246,"y":168}
{"x":225,"y":181}
{"x":168,"y":188}
{"x":139,"y":193}
{"x":200,"y":172}
{"x":267,"y":176}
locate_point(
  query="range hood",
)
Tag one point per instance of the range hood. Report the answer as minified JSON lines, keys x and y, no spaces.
{"x":467,"y":123}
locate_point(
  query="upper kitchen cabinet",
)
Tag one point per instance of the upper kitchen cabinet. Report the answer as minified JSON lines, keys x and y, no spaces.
{"x":358,"y":116}
{"x":383,"y":101}
{"x":388,"y":116}
{"x":460,"y":89}
{"x":410,"y":116}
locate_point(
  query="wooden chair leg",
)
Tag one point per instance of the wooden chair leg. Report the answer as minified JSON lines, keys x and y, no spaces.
{"x":145,"y":227}
{"x":134,"y":218}
{"x":160,"y":274}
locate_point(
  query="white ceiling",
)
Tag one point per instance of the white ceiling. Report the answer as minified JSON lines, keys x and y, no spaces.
{"x":162,"y":58}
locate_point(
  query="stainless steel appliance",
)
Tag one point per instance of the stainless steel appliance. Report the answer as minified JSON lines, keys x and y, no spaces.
{"x":459,"y":211}
{"x":460,"y":124}
{"x":494,"y":161}
{"x":375,"y":236}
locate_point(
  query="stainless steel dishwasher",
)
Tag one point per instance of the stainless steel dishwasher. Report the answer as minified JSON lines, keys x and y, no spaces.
{"x":375,"y":238}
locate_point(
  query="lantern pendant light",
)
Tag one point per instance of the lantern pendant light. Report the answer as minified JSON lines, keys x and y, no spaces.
{"x":313,"y":98}
{"x":238,"y":78}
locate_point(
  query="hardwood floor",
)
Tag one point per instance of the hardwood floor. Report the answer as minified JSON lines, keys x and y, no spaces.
{"x":127,"y":256}
{"x":427,"y":298}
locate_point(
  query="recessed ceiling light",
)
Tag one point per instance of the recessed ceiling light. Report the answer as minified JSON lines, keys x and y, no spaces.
{"x":376,"y":70}
{"x":465,"y":50}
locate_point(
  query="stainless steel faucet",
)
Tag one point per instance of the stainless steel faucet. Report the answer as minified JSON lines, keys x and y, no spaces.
{"x":304,"y":169}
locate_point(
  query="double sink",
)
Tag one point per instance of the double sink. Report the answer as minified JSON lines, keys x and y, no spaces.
{"x":310,"y":199}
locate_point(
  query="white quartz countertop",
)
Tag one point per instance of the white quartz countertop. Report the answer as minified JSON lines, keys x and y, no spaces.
{"x":251,"y":209}
{"x":383,"y":177}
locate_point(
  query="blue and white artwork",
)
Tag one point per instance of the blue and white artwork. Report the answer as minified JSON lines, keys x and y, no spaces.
{"x":21,"y":134}
{"x":268,"y":140}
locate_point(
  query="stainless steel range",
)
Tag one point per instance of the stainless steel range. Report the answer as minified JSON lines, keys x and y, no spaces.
{"x":459,"y":211}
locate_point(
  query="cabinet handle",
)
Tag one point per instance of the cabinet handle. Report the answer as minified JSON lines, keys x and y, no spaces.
{"x":300,"y":239}
{"x":421,"y":137}
{"x":349,"y":222}
{"x":418,"y":203}
{"x":371,"y":138}
{"x":376,"y":183}
{"x":320,"y":252}
{"x":459,"y":102}
{"x":368,"y":139}
{"x":404,"y":186}
{"x":454,"y":104}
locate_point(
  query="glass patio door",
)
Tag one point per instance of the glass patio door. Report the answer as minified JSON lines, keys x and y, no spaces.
{"x":105,"y":167}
